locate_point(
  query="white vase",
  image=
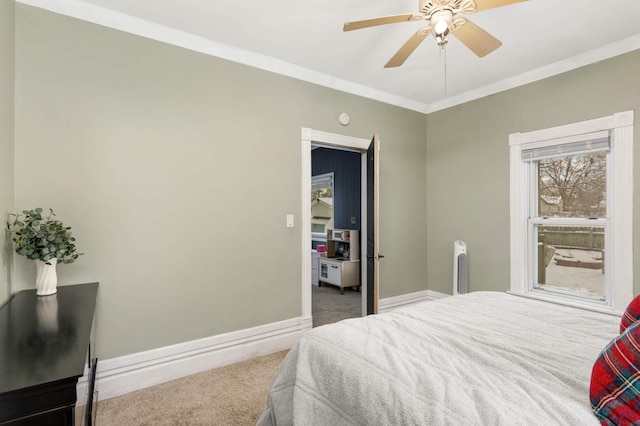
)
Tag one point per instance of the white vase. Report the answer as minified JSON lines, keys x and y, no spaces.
{"x":46,"y":277}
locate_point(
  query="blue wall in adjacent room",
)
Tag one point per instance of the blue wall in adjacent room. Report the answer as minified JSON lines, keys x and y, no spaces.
{"x":346,"y":167}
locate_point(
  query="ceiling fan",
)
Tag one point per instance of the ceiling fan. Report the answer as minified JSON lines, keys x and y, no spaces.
{"x":441,"y":15}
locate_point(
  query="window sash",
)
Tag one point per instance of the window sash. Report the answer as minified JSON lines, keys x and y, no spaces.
{"x":568,"y":221}
{"x":532,"y":176}
{"x":533,"y":279}
{"x":534,"y":220}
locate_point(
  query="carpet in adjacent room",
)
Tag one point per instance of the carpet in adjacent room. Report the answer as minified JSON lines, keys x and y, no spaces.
{"x":329,"y":306}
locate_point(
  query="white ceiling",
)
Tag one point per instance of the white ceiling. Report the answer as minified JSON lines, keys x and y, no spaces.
{"x":305,"y":40}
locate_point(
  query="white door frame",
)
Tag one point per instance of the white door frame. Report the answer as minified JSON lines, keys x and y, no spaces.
{"x":309,"y":136}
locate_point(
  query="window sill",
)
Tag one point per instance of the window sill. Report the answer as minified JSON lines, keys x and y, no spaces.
{"x":545,"y":297}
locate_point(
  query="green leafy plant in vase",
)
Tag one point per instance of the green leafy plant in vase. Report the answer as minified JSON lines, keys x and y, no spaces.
{"x":44,"y":239}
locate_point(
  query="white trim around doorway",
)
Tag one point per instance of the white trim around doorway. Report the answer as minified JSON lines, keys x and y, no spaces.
{"x":309,"y":136}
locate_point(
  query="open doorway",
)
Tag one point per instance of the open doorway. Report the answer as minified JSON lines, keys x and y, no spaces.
{"x":354,"y":145}
{"x":335,"y":234}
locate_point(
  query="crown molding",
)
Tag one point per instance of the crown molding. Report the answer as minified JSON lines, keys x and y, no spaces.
{"x":606,"y":52}
{"x":120,"y":21}
{"x":129,"y":24}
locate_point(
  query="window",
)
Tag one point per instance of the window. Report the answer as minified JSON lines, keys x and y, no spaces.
{"x":321,"y":204}
{"x":571,"y":203}
{"x":568,"y":221}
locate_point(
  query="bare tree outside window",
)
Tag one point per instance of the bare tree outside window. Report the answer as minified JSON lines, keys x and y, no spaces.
{"x":571,"y":257}
{"x":321,"y":193}
{"x":575,"y":184}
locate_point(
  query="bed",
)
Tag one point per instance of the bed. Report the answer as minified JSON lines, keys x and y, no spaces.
{"x":484,"y":358}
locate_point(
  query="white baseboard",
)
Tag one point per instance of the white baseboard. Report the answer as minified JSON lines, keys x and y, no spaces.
{"x":129,"y":373}
{"x":118,"y":376}
{"x":390,"y":303}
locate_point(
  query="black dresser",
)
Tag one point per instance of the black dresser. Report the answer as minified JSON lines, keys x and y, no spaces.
{"x":44,"y":347}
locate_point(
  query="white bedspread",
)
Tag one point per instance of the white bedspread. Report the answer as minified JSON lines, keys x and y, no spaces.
{"x":485,"y":358}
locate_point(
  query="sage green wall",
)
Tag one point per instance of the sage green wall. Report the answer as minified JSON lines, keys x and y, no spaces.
{"x":7,"y":24}
{"x":468,"y":163}
{"x":159,"y":158}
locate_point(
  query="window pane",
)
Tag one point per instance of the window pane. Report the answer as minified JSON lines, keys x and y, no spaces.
{"x":573,"y":186}
{"x":321,"y":209}
{"x":571,"y":259}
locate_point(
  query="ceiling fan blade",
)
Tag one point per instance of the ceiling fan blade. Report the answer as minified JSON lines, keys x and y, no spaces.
{"x":491,"y":4}
{"x":407,"y":49}
{"x":356,"y":25}
{"x":475,"y":38}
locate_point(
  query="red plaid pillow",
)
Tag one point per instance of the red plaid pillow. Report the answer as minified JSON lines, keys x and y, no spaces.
{"x":615,"y":380}
{"x":631,"y":314}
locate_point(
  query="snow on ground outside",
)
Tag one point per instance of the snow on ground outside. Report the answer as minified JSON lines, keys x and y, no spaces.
{"x":590,"y":281}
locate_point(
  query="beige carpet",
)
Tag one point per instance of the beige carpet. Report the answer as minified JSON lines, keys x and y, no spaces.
{"x":230,"y":395}
{"x":234,"y":395}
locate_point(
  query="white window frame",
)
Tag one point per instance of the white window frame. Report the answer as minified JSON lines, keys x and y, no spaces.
{"x":328,"y":179}
{"x":619,"y":268}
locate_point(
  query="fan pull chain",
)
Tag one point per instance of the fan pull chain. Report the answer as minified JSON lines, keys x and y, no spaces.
{"x":443,"y":55}
{"x":444,"y":48}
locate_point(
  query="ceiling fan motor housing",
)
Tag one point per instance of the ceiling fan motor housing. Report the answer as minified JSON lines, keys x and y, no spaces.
{"x":429,"y":7}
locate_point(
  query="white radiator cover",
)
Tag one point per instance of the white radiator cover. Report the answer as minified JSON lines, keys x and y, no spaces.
{"x":460,"y":268}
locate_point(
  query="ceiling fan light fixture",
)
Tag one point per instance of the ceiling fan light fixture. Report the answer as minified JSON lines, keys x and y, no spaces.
{"x":440,"y":27}
{"x":440,"y":21}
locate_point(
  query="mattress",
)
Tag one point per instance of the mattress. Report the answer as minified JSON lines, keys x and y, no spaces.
{"x":484,"y":358}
